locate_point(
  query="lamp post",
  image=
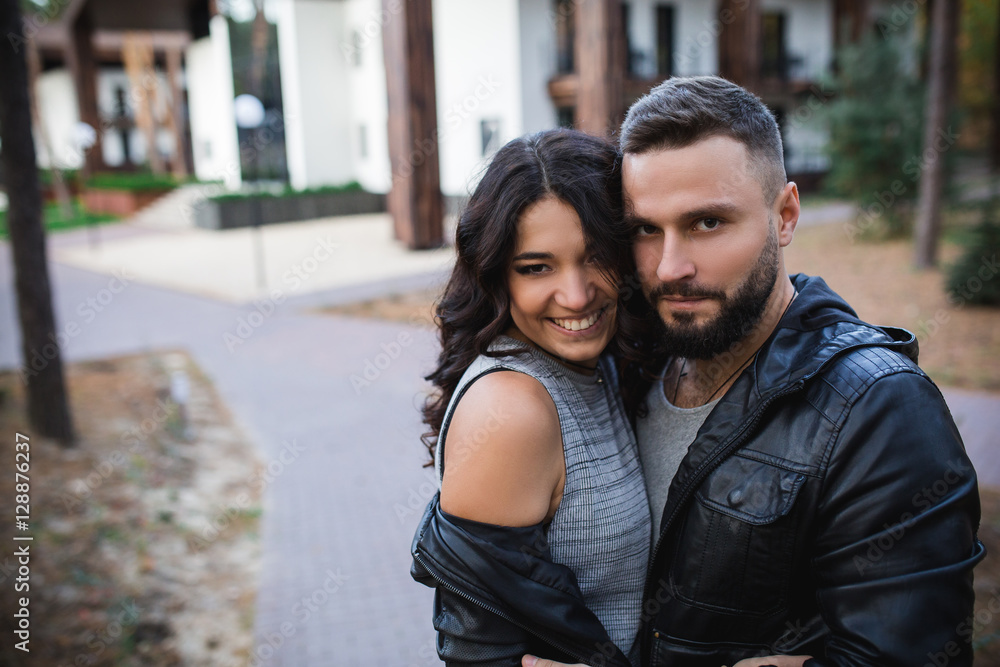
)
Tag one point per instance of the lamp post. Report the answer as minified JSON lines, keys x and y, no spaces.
{"x":249,"y":113}
{"x":84,"y":137}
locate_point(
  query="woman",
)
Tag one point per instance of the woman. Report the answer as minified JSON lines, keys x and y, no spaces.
{"x":539,"y":540}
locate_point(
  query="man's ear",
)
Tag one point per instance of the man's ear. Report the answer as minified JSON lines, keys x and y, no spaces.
{"x":788,"y":209}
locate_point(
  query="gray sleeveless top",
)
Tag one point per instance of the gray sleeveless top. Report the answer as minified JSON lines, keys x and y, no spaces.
{"x":601,"y":529}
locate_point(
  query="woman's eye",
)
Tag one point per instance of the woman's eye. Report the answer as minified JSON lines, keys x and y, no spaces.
{"x":645,"y":230}
{"x":531,"y":269}
{"x":708,"y":224}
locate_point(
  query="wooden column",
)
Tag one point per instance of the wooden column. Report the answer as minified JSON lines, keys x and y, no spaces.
{"x":175,"y":112}
{"x":600,"y":66}
{"x":415,"y":201}
{"x":140,"y":65}
{"x":80,"y":56}
{"x":850,"y":17}
{"x":739,"y":42}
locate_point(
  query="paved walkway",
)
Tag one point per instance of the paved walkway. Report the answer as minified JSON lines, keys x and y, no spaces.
{"x":338,"y":520}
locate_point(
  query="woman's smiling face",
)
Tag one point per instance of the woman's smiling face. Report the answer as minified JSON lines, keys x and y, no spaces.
{"x":559,"y":298}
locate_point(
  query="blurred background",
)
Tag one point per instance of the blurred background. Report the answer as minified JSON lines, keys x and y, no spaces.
{"x":224,"y":224}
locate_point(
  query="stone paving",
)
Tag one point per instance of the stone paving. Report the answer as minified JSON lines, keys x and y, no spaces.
{"x":347,"y":484}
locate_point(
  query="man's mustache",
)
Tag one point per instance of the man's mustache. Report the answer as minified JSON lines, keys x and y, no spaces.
{"x":684,"y":289}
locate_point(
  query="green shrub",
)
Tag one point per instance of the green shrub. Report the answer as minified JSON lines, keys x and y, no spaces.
{"x":135,"y":182}
{"x":45,"y":176}
{"x":353,"y":186}
{"x":975,"y":277}
{"x":875,"y":125}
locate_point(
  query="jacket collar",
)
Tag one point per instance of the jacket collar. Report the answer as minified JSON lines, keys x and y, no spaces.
{"x":817,"y":327}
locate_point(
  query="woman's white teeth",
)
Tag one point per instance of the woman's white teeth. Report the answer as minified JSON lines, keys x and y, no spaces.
{"x":579,"y":325}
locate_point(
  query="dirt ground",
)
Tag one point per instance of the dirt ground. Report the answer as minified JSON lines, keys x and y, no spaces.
{"x":959,"y":344}
{"x":145,"y":548}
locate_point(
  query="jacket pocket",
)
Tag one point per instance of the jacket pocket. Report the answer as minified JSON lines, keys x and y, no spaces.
{"x":669,"y":651}
{"x":736,"y":547}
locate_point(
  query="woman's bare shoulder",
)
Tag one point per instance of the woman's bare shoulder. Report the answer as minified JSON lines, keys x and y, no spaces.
{"x":503,"y":459}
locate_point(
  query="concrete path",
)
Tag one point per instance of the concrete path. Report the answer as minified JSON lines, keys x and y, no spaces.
{"x":344,"y":499}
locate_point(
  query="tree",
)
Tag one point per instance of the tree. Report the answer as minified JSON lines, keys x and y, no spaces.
{"x":874,"y":123}
{"x":995,"y":137}
{"x":943,"y":24}
{"x":48,"y":410}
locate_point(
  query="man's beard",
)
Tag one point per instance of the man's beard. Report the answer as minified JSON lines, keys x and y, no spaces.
{"x":738,"y":315}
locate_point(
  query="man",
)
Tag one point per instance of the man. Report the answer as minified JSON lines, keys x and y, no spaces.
{"x":810,"y":491}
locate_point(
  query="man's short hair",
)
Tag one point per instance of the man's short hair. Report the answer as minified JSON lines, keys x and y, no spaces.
{"x":684,"y":110}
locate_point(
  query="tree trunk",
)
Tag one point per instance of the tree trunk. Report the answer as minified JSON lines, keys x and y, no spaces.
{"x":48,"y":411}
{"x":937,"y":137}
{"x":995,"y":138}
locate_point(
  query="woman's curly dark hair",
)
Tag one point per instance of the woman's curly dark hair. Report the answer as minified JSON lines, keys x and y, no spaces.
{"x":576,"y":168}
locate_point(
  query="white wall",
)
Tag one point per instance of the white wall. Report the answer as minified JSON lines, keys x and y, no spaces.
{"x":538,"y":64}
{"x":477,"y":52}
{"x":315,"y":91}
{"x":696,"y":38}
{"x":58,"y":110}
{"x":210,"y":106}
{"x":369,"y":113}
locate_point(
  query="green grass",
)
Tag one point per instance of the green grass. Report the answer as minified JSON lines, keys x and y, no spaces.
{"x":55,"y":222}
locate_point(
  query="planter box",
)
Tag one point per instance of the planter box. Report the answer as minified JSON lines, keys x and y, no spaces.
{"x":233,"y":213}
{"x":119,"y":202}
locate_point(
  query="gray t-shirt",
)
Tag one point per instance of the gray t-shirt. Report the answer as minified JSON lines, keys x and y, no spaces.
{"x":664,"y":436}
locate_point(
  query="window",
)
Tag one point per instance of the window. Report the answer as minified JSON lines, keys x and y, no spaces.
{"x":491,"y":135}
{"x":363,"y":141}
{"x":632,"y":58}
{"x":564,"y":116}
{"x":665,"y":40}
{"x":774,"y":62}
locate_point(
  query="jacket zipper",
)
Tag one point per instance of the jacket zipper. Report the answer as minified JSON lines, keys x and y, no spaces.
{"x":502,"y":614}
{"x":707,"y":469}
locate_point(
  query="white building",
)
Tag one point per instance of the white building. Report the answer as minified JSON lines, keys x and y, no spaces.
{"x":498,"y":67}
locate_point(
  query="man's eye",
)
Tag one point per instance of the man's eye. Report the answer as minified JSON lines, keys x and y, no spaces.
{"x":645,"y":230}
{"x":531,"y":269}
{"x":708,"y":224}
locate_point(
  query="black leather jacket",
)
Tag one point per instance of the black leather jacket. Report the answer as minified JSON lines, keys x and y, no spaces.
{"x":499,"y":596}
{"x":827,"y":507}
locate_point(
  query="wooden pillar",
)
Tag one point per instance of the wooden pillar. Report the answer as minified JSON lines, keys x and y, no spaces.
{"x":850,"y":18}
{"x":740,"y":42}
{"x":80,"y":56}
{"x":600,"y":65}
{"x":415,"y":201}
{"x":140,"y":65}
{"x":175,"y":115}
